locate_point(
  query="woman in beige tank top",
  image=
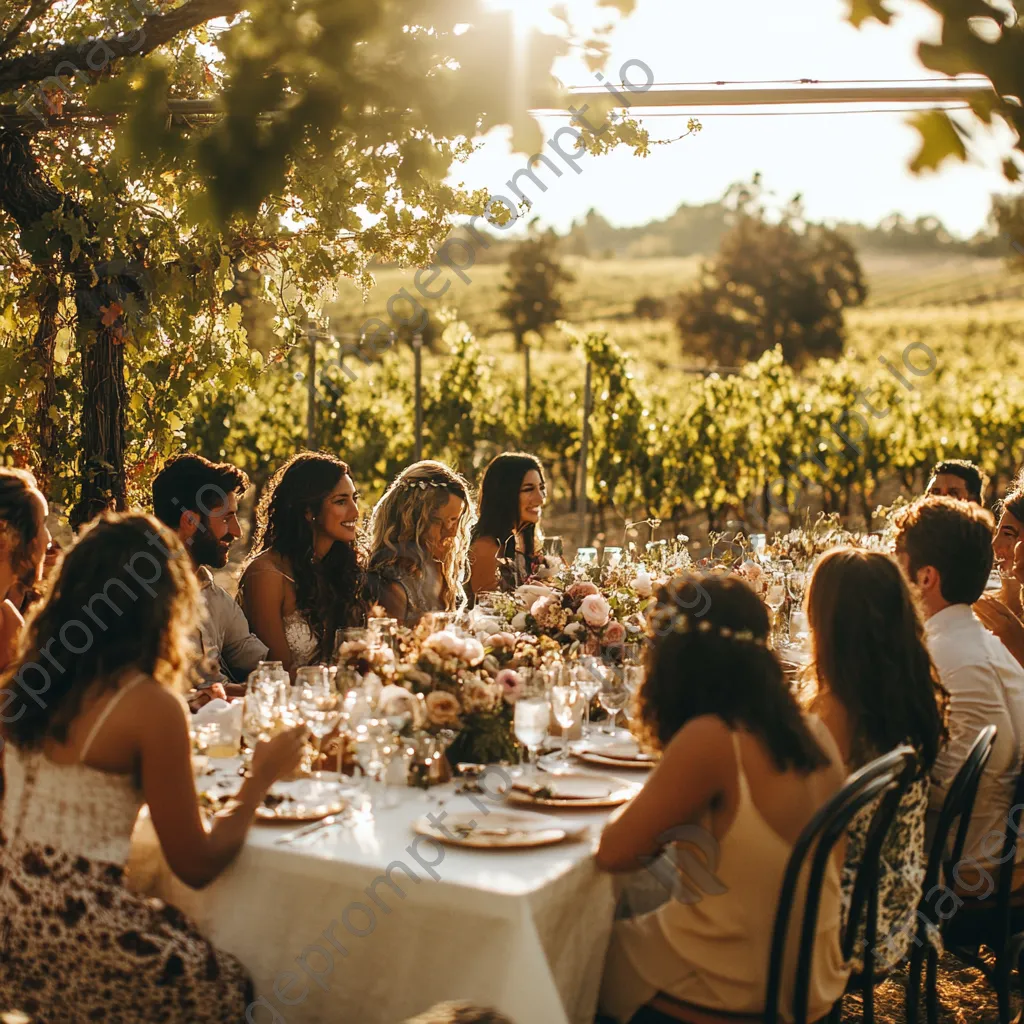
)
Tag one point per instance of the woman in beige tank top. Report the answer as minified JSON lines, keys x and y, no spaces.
{"x":742,"y":773}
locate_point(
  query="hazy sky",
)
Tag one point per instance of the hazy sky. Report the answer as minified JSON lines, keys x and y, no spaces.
{"x":850,"y":166}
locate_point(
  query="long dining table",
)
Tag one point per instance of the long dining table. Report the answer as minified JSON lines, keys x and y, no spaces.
{"x":369,"y":922}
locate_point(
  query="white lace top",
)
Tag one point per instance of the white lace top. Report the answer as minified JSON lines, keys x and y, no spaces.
{"x":302,"y":641}
{"x":70,"y":807}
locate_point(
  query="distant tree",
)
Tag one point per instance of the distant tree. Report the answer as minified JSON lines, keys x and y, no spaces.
{"x":1007,"y":218}
{"x":647,"y":307}
{"x":533,"y":290}
{"x":775,"y":281}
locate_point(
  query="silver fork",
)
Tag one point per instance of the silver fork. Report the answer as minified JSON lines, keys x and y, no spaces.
{"x":308,"y":830}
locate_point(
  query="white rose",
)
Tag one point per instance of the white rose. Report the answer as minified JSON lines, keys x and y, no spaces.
{"x":573,"y":628}
{"x":642,"y":584}
{"x":595,"y":611}
{"x":519,"y":622}
{"x":487,"y":627}
{"x":472,"y":651}
{"x":446,"y":644}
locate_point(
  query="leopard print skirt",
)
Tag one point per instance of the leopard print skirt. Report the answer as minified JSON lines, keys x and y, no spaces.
{"x":76,"y":945}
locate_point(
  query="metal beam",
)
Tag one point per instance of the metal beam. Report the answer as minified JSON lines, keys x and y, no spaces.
{"x":943,"y":91}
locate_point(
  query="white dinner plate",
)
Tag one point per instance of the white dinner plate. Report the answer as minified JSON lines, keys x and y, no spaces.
{"x":569,"y":791}
{"x":499,"y":830}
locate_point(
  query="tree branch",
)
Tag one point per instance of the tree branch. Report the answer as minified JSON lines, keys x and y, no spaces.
{"x":35,"y":9}
{"x":156,"y":30}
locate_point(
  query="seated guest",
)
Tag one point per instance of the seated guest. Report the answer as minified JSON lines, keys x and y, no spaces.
{"x":198,"y":500}
{"x":741,"y":762}
{"x":110,"y":736}
{"x":505,"y":551}
{"x":304,"y":578}
{"x":945,"y":547}
{"x":419,"y":542}
{"x":24,"y":540}
{"x":876,"y":690}
{"x":1000,"y":612}
{"x":958,"y":478}
{"x":1009,"y":531}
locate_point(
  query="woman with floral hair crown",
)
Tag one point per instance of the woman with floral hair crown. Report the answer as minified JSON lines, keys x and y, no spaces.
{"x":419,"y":542}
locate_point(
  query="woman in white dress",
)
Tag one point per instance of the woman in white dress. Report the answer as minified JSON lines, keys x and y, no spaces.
{"x":304,"y":579}
{"x":95,"y":728}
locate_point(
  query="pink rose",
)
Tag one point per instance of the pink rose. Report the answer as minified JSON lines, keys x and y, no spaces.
{"x":614,"y":634}
{"x":595,"y":611}
{"x":578,"y":591}
{"x":472,"y":651}
{"x":511,"y":684}
{"x":446,"y":644}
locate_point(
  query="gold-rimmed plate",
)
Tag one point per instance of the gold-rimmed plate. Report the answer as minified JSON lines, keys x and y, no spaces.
{"x":498,"y":830}
{"x":569,"y":791}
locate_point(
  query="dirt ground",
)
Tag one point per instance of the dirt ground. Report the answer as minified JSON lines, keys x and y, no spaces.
{"x":965,"y":997}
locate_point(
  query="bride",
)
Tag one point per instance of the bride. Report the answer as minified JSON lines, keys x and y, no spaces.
{"x":304,"y":577}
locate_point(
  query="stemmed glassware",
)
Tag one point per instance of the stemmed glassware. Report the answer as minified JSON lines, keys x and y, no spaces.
{"x":319,"y":705}
{"x":612,"y":696}
{"x":775,"y":598}
{"x":589,"y":685}
{"x":565,"y":698}
{"x":532,"y":718}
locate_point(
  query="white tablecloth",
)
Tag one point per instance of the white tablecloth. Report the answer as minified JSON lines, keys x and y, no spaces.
{"x":328,"y":939}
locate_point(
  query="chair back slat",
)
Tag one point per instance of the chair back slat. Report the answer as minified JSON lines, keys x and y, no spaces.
{"x":817,"y":842}
{"x":957,"y":807}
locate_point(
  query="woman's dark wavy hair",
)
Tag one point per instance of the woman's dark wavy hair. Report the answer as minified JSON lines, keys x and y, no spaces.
{"x":870,"y":654}
{"x":693,"y":670}
{"x":19,"y":516}
{"x":119,"y":602}
{"x":328,"y":592}
{"x":499,"y":502}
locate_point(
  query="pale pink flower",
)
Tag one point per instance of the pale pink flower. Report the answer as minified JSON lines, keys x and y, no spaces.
{"x":614,"y":633}
{"x":511,"y":684}
{"x":442,"y":708}
{"x":578,"y":591}
{"x":595,"y":611}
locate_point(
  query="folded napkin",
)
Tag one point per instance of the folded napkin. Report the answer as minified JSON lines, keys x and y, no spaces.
{"x":220,"y":712}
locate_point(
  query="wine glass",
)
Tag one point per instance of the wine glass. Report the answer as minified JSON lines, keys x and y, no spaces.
{"x":589,"y":685}
{"x":612,"y":696}
{"x":586,"y":556}
{"x":531,"y":722}
{"x":565,"y":698}
{"x":775,"y":598}
{"x":319,"y":704}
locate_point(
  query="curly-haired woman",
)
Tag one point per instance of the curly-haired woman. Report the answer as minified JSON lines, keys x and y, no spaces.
{"x":94,"y":729}
{"x":419,"y":542}
{"x":304,"y":578}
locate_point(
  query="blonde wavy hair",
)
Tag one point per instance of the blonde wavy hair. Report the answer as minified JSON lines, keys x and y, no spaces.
{"x":402,"y":518}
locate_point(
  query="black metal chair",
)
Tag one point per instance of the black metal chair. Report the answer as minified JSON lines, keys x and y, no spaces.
{"x":878,"y":781}
{"x":865,"y":889}
{"x":992,"y":921}
{"x":957,"y":806}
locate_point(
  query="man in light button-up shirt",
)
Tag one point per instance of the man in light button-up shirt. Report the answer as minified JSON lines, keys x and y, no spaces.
{"x":945,"y":546}
{"x":198,"y":499}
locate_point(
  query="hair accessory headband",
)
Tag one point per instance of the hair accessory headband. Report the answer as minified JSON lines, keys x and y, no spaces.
{"x":422,"y":484}
{"x":666,"y":620}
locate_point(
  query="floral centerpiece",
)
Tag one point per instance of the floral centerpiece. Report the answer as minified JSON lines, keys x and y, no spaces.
{"x":584,"y":609}
{"x":460,"y":694}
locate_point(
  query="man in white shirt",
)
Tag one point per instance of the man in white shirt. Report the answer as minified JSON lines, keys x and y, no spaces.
{"x":945,"y":547}
{"x":198,"y":499}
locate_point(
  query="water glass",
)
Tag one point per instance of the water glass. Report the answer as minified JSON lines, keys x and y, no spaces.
{"x":553,"y":546}
{"x":382,"y":630}
{"x":586,"y":556}
{"x":611,"y":557}
{"x":612,"y":696}
{"x":589,"y":685}
{"x":565,"y":698}
{"x":532,"y":718}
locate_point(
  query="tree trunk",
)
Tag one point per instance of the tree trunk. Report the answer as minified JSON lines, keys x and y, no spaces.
{"x":43,"y":346}
{"x":100,"y":289}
